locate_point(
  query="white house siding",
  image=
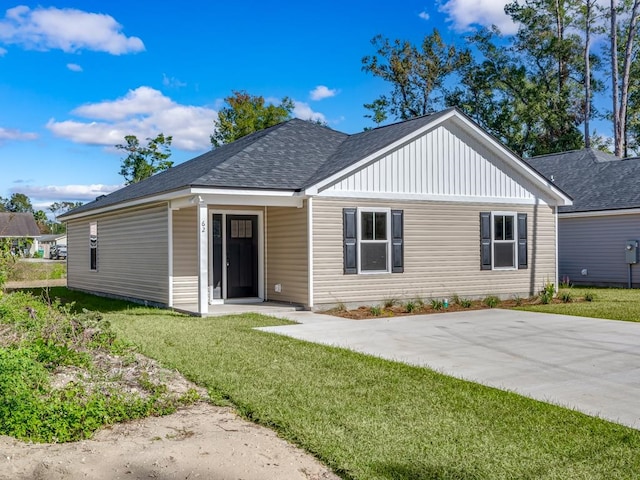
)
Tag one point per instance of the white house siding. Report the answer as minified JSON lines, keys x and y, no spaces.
{"x":441,"y":254}
{"x":597,"y":244}
{"x":185,"y":256}
{"x":132,"y":254}
{"x":444,"y":162}
{"x":287,"y":254}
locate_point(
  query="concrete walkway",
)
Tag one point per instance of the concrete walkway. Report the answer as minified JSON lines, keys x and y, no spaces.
{"x":587,"y":364}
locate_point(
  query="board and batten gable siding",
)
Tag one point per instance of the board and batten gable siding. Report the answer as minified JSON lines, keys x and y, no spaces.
{"x":441,"y":254}
{"x":287,"y":254}
{"x":597,"y":244}
{"x":445,"y":161}
{"x":131,"y":256}
{"x":185,"y":256}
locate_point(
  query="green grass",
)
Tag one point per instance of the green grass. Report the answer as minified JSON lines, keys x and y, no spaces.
{"x":369,"y":418}
{"x":610,"y":303}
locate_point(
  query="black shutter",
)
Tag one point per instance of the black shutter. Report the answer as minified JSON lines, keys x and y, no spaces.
{"x":397,"y":241}
{"x":522,"y":240}
{"x":350,"y":239}
{"x":485,"y":240}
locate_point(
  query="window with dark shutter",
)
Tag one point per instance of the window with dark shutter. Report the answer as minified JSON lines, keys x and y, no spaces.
{"x":397,"y":241}
{"x":522,"y":240}
{"x":485,"y":240}
{"x":350,"y":240}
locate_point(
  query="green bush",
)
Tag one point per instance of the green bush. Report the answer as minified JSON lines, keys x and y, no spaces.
{"x":464,"y":302}
{"x":437,"y":304}
{"x":491,"y":301}
{"x":375,"y":311}
{"x":566,"y":297}
{"x":547,"y":293}
{"x":410,"y":306}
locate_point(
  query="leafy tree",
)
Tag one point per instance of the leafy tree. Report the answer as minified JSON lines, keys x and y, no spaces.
{"x":44,"y":225}
{"x":142,"y":162}
{"x":57,"y":209}
{"x":416,"y":75}
{"x":19,"y":203}
{"x":245,"y":114}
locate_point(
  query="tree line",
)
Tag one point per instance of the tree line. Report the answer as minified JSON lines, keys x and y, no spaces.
{"x":533,"y":90}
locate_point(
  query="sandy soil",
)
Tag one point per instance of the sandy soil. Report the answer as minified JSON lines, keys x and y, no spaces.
{"x":201,"y":441}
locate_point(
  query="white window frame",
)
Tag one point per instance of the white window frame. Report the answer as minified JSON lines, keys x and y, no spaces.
{"x":93,"y":227}
{"x":514,"y":242}
{"x":387,"y":212}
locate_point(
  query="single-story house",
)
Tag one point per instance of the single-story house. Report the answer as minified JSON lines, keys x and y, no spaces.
{"x":301,"y":213}
{"x":594,"y":232}
{"x":45,"y":242}
{"x":22,"y":229}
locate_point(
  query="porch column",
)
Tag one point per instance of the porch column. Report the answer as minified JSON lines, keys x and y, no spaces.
{"x":203,"y":258}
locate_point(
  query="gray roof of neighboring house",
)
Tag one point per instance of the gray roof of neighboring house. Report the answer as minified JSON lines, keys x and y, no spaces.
{"x":289,"y":156}
{"x":51,"y":237}
{"x":18,"y":225}
{"x":596,"y":180}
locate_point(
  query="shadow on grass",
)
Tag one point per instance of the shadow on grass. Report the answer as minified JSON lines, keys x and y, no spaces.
{"x":402,"y":471}
{"x":82,"y":300}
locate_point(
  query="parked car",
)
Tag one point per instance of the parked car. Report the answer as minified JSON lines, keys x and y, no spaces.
{"x":58,"y":252}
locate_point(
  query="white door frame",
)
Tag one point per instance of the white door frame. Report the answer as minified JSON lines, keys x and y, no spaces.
{"x":224,"y":213}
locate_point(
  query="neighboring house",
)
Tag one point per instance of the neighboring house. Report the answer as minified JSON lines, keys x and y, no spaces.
{"x":300,"y":213}
{"x":45,"y":242}
{"x":22,"y":229}
{"x":605,"y":215}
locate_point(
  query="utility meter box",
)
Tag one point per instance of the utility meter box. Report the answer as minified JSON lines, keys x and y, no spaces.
{"x":631,"y":252}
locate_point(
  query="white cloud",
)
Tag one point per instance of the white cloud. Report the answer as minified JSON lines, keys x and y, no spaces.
{"x":143,"y":112}
{"x":69,"y":193}
{"x":424,"y":15}
{"x":321,"y":92}
{"x":74,"y":67}
{"x":14,"y":134}
{"x":466,"y":13}
{"x":303,"y":111}
{"x":172,"y":82}
{"x":67,"y":29}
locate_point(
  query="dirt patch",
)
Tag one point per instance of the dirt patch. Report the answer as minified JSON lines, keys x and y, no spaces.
{"x":200,"y":441}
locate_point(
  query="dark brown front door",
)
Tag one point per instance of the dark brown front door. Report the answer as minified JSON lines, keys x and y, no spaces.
{"x":242,"y":256}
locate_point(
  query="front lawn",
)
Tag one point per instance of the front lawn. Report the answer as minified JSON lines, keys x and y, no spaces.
{"x":369,"y":418}
{"x":611,"y":303}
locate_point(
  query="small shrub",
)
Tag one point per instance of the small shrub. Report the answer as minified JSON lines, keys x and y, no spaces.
{"x":464,"y":302}
{"x":491,"y":301}
{"x":565,"y":282}
{"x":437,"y":304}
{"x":341,"y":307}
{"x":547,"y":293}
{"x":566,"y":297}
{"x":410,"y":306}
{"x":517,"y":299}
{"x":589,"y":297}
{"x":455,"y":299}
{"x":375,"y":310}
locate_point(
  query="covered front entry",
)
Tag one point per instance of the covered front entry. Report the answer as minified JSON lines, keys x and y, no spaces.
{"x":236,"y":254}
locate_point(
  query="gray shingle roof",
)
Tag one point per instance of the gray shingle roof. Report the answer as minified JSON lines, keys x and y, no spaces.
{"x":290,"y":156}
{"x":596,"y":180}
{"x":18,"y":225}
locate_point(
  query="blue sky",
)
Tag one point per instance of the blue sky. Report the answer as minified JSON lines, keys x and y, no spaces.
{"x":77,"y":76}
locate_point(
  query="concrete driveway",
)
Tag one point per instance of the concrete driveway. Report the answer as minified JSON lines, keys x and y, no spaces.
{"x":586,"y":364}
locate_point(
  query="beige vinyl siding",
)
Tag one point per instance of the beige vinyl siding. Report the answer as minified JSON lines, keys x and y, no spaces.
{"x":287,"y":254}
{"x":598,"y":245}
{"x":132,"y":254}
{"x":185,"y":256}
{"x":441,"y":254}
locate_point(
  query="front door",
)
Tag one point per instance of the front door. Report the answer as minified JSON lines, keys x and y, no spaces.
{"x":242,"y":256}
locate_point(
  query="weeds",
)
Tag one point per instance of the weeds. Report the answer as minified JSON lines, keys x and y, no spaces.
{"x":375,"y":310}
{"x":465,"y":302}
{"x":566,"y":297}
{"x":410,"y":306}
{"x":589,"y":297}
{"x":389,"y":302}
